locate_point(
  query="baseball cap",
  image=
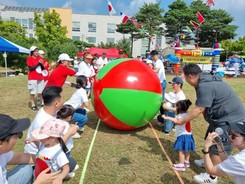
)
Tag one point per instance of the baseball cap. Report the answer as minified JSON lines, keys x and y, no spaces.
{"x":51,"y":128}
{"x":11,"y":126}
{"x":41,"y":52}
{"x":176,"y":80}
{"x":238,"y":127}
{"x":148,"y":61}
{"x":171,"y":97}
{"x":32,"y":48}
{"x":64,"y":56}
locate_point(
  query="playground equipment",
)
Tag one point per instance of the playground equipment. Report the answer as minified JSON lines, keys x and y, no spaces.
{"x":126,"y":94}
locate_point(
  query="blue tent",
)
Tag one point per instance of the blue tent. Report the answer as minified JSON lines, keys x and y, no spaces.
{"x":172,"y":58}
{"x":8,"y":46}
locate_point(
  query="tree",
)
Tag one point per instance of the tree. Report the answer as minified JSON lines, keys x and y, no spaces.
{"x":217,"y":25}
{"x":69,"y":48}
{"x":151,"y":17}
{"x":124,"y":44}
{"x":49,"y":30}
{"x":176,"y":19}
{"x":82,"y":45}
{"x":106,"y":45}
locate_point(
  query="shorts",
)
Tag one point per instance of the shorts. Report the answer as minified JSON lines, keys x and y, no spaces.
{"x":36,"y":86}
{"x":224,"y":138}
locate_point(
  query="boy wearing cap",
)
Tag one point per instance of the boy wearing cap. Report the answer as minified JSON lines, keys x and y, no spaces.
{"x":233,"y":165}
{"x":62,"y":70}
{"x":35,"y":77}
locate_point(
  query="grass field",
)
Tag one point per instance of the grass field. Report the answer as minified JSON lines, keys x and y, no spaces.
{"x":118,"y":157}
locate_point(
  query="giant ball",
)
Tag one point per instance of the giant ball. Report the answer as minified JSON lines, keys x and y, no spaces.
{"x":126,"y":94}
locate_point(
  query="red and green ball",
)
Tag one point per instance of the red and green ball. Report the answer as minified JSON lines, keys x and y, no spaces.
{"x":126,"y":94}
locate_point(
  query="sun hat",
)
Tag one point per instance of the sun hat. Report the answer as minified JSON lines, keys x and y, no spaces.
{"x":171,"y":97}
{"x":65,"y":57}
{"x":41,"y":52}
{"x":51,"y":128}
{"x":32,"y":48}
{"x":238,"y":127}
{"x":11,"y":126}
{"x":88,"y":56}
{"x":176,"y":80}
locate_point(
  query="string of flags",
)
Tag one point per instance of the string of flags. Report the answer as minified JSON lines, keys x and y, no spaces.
{"x":125,"y":18}
{"x":200,"y":18}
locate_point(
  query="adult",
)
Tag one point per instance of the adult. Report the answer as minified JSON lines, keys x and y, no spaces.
{"x":46,"y":65}
{"x":102,"y":61}
{"x":12,"y":130}
{"x":159,"y":70}
{"x":62,"y":70}
{"x":233,"y":165}
{"x":219,"y":104}
{"x":35,"y":77}
{"x":52,"y":103}
{"x":86,"y":69}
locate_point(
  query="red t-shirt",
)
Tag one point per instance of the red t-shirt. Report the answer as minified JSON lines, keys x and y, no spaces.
{"x":33,"y":75}
{"x":59,"y":75}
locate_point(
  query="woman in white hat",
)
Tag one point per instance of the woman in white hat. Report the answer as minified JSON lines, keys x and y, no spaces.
{"x":62,"y":70}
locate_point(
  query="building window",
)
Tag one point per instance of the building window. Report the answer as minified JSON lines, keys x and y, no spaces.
{"x":111,"y":28}
{"x":92,"y":40}
{"x":76,"y":26}
{"x":24,"y":23}
{"x":30,"y":21}
{"x":30,"y":35}
{"x":75,"y":38}
{"x":110,"y":40}
{"x":91,"y":27}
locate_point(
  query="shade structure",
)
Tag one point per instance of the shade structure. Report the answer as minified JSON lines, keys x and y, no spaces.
{"x":8,"y":46}
{"x":172,"y":58}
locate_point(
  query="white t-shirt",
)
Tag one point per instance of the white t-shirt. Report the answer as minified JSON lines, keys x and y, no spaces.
{"x":235,"y":166}
{"x":101,"y":62}
{"x":40,"y":118}
{"x":76,"y":63}
{"x":48,"y":153}
{"x":180,"y":96}
{"x":78,"y":98}
{"x":86,"y":70}
{"x":161,"y":72}
{"x":4,"y":159}
{"x":184,"y":129}
{"x":69,"y":142}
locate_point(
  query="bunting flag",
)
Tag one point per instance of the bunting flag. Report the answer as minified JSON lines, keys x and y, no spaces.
{"x":136,"y":23}
{"x":188,"y":29}
{"x":194,"y":24}
{"x":111,"y":10}
{"x":200,"y":18}
{"x":210,"y":2}
{"x":124,"y":18}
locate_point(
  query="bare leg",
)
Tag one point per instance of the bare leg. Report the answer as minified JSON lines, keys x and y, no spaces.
{"x":41,"y":98}
{"x":32,"y":98}
{"x":187,"y":156}
{"x":181,"y":157}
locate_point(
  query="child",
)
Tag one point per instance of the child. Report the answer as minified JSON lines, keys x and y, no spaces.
{"x":52,"y":148}
{"x":79,"y":101}
{"x":185,"y":141}
{"x":65,"y":114}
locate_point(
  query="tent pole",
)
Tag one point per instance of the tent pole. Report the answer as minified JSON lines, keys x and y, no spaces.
{"x":5,"y":59}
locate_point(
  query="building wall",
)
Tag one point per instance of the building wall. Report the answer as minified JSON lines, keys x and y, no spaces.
{"x":79,"y":26}
{"x":66,"y":17}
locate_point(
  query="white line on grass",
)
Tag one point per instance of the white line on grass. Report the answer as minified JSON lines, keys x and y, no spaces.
{"x":89,"y":154}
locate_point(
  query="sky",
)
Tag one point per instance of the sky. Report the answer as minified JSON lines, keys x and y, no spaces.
{"x":236,"y":8}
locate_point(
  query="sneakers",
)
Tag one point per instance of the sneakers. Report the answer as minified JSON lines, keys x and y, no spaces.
{"x":165,"y":133}
{"x":204,"y":178}
{"x":70,"y":175}
{"x":187,"y":163}
{"x":34,"y":108}
{"x":199,"y":163}
{"x":76,"y":167}
{"x":179,"y":167}
{"x":76,"y":136}
{"x":81,"y":129}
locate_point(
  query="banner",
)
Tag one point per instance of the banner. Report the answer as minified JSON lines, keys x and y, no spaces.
{"x":190,"y":59}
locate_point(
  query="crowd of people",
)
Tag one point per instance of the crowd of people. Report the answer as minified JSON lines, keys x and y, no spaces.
{"x":49,"y":141}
